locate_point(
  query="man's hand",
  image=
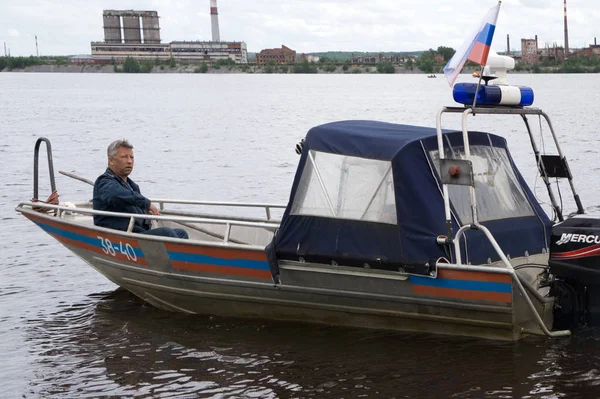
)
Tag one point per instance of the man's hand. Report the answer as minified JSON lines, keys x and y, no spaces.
{"x":153,"y":210}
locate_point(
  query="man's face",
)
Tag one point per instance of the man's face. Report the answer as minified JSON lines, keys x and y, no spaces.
{"x":122,"y":162}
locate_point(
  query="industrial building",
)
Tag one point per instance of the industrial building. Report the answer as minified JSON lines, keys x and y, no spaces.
{"x":529,"y":50}
{"x":209,"y":51}
{"x":128,"y":22}
{"x":374,"y":59}
{"x":125,"y":37}
{"x":139,"y":51}
{"x":283,"y":55}
{"x":592,"y":51}
{"x":131,"y":33}
{"x":531,"y":53}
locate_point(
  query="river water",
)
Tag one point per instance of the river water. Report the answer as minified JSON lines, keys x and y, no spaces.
{"x":67,"y":332}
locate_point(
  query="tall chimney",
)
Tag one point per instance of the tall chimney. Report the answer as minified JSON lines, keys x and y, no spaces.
{"x":566,"y":32}
{"x":214,"y":21}
{"x":507,"y":44}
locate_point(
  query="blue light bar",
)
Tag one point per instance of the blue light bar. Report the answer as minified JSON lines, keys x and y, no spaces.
{"x":519,"y":96}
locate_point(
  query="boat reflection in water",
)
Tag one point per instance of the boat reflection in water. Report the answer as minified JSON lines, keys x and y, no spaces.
{"x":114,"y":345}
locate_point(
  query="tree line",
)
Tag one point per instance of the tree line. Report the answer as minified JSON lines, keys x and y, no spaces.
{"x":23,"y":62}
{"x":430,"y":61}
{"x":573,"y":64}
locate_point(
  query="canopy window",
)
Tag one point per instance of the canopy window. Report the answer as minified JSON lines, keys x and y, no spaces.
{"x":498,"y":192}
{"x":345,"y":187}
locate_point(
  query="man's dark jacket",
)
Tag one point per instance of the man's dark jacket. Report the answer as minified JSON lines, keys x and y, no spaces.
{"x":112,"y":194}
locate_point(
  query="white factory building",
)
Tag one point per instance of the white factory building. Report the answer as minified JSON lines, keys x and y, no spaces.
{"x":131,"y":33}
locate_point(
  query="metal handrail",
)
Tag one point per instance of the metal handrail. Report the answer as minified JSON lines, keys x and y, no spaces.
{"x":561,"y":154}
{"x":466,"y":143}
{"x":133,"y":216}
{"x":267,"y":206}
{"x":35,"y":165}
{"x":511,"y":270}
{"x":542,"y":167}
{"x":162,"y":201}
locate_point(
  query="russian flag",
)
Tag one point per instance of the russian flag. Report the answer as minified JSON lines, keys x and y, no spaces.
{"x":476,"y":47}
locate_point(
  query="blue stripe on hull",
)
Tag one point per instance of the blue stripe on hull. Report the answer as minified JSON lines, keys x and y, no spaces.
{"x":81,"y":238}
{"x":486,"y":286}
{"x":203,"y":259}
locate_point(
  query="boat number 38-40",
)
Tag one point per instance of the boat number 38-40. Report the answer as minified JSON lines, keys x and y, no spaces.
{"x":112,"y":249}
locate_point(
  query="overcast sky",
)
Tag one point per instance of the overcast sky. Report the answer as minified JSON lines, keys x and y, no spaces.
{"x":65,"y":27}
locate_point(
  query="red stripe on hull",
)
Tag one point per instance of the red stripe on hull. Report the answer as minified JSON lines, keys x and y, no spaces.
{"x":463,"y":294}
{"x":227,"y":270}
{"x":473,"y":276}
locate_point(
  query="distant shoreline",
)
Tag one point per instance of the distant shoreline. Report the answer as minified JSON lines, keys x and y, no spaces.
{"x":255,"y":69}
{"x":193,"y":69}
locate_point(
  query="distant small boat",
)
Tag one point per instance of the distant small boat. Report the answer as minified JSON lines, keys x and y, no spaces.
{"x":432,"y":76}
{"x":476,"y":74}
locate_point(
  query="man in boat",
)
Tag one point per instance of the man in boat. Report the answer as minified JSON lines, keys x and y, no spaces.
{"x":114,"y":191}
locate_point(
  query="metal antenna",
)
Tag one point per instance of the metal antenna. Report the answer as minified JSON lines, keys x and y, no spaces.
{"x":566,"y":32}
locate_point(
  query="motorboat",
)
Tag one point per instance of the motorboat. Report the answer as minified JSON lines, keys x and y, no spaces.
{"x":388,"y":226}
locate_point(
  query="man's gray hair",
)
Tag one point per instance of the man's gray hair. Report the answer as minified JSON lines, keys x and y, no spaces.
{"x":111,"y":151}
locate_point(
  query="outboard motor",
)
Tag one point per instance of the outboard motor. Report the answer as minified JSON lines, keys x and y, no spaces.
{"x":575,"y":264}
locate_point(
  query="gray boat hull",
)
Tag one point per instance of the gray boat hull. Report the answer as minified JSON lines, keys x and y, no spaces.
{"x":233,"y":279}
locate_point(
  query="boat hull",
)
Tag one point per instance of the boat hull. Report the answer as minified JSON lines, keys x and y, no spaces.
{"x":233,"y":280}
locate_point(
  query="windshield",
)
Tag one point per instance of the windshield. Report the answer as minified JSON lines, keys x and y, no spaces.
{"x":344,"y":187}
{"x":498,"y":192}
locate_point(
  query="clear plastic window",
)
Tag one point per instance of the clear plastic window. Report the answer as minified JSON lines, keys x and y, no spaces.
{"x":344,"y":187}
{"x":497,"y":190}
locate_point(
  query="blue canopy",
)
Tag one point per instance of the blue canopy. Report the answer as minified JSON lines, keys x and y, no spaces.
{"x":325,"y":222}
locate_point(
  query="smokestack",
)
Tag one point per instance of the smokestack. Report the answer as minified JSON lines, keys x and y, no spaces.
{"x":566,"y":32}
{"x":507,"y":44}
{"x":214,"y":21}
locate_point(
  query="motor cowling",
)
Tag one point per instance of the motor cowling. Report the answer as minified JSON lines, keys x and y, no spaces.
{"x":575,"y":264}
{"x":575,"y":249}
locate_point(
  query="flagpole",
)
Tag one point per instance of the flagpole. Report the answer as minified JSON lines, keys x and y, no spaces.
{"x":481,"y":74}
{"x":477,"y":89}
